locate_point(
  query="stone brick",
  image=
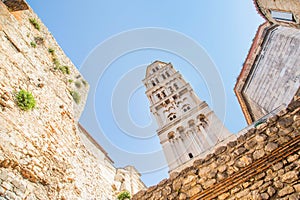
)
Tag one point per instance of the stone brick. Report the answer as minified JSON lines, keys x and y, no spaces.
{"x":289,"y":177}
{"x":242,"y":193}
{"x":271,"y":191}
{"x":271,"y":146}
{"x":258,"y":154}
{"x":209,"y":183}
{"x":194,"y":190}
{"x":297,"y":187}
{"x":292,"y":158}
{"x":223,"y":196}
{"x":265,"y":196}
{"x":285,"y":191}
{"x":256,"y":185}
{"x":277,"y":166}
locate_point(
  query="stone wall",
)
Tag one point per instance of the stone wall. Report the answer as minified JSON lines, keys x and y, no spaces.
{"x":264,"y":163}
{"x":41,"y":153}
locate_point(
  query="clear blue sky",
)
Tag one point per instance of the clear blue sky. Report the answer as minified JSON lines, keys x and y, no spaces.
{"x":224,"y":29}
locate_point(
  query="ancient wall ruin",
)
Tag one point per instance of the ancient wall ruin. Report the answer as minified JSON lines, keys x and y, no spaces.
{"x":264,"y":163}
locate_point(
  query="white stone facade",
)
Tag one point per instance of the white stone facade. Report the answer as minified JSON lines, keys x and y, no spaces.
{"x":187,"y":126}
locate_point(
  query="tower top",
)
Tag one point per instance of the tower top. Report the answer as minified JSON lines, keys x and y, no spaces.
{"x":154,"y":67}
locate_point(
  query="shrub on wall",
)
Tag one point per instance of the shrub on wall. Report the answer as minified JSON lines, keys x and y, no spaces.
{"x":124,"y":195}
{"x":25,"y":100}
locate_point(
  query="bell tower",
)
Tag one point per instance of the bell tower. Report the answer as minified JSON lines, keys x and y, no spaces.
{"x":186,"y":125}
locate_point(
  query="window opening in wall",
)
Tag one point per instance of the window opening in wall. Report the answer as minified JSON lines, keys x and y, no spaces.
{"x":176,"y":86}
{"x":171,"y":135}
{"x":156,"y":80}
{"x":191,"y":155}
{"x":164,"y":77}
{"x":282,"y":16}
{"x":153,"y":83}
{"x":191,"y":123}
{"x":153,"y":70}
{"x":174,"y":97}
{"x":174,"y":116}
{"x":164,"y":94}
{"x":171,"y":89}
{"x":168,"y":75}
{"x":167,"y":101}
{"x":158,"y":95}
{"x":156,"y":68}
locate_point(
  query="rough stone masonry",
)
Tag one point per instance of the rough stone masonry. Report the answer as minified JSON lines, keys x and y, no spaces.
{"x":264,"y":163}
{"x":41,"y":154}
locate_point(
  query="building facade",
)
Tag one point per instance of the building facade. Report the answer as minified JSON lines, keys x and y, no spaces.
{"x":186,"y":125}
{"x":271,"y":72}
{"x":281,"y":12}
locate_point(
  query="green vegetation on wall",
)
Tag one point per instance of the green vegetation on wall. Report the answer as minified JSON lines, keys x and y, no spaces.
{"x":25,"y":100}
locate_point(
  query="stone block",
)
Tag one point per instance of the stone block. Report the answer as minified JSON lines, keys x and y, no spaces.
{"x":285,"y":191}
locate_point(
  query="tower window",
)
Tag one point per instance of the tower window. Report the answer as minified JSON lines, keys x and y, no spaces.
{"x":168,"y":75}
{"x":185,"y":110}
{"x":191,"y":123}
{"x":153,"y":70}
{"x":164,"y":94}
{"x":164,"y":77}
{"x":191,"y":155}
{"x":156,"y":68}
{"x":282,"y":16}
{"x":171,"y":89}
{"x":156,"y":80}
{"x":171,"y":116}
{"x":158,"y":95}
{"x":176,"y":86}
{"x":153,"y":83}
{"x":171,"y":135}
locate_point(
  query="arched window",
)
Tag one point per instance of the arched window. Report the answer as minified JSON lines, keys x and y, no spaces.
{"x":156,"y":80}
{"x":191,"y":155}
{"x":153,"y":70}
{"x":171,"y":89}
{"x":180,"y":130}
{"x":153,"y":83}
{"x":156,"y":68}
{"x":186,"y":107}
{"x":171,"y":135}
{"x":172,"y":116}
{"x":168,"y":75}
{"x":164,"y":94}
{"x":164,"y":77}
{"x":176,"y":86}
{"x":159,"y":97}
{"x":191,"y":123}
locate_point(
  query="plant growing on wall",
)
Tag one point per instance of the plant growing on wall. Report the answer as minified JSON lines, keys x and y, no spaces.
{"x":25,"y":100}
{"x":124,"y":195}
{"x":76,"y":96}
{"x":35,"y":23}
{"x":33,"y":44}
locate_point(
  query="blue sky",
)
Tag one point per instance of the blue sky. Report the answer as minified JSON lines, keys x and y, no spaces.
{"x":224,"y":29}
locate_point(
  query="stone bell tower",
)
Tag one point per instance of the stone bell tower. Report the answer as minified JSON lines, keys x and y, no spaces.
{"x":186,"y":125}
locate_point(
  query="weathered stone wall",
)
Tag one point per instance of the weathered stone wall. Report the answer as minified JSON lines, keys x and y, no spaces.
{"x":264,"y":163}
{"x":41,"y":153}
{"x":275,"y":75}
